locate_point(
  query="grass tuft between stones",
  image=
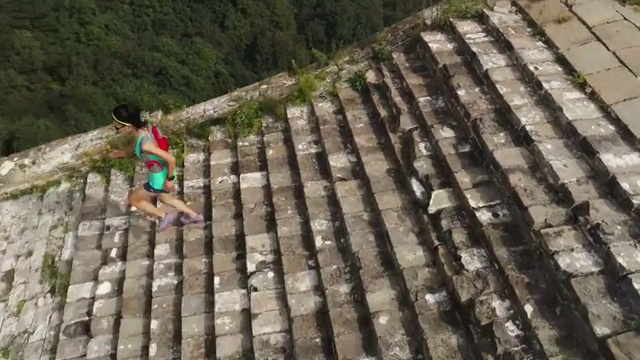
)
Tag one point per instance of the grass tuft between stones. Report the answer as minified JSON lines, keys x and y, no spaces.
{"x":305,"y":90}
{"x":456,"y":9}
{"x":246,"y":118}
{"x":49,"y":274}
{"x":358,"y":81}
{"x":20,"y":307}
{"x":380,"y":53}
{"x":38,"y":189}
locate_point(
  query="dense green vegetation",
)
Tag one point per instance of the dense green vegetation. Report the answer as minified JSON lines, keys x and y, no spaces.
{"x":66,"y":63}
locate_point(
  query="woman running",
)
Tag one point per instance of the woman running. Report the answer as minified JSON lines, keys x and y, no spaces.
{"x":160,"y":164}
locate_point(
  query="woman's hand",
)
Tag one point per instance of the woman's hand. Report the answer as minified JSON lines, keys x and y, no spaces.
{"x":117,"y":154}
{"x":169,"y":186}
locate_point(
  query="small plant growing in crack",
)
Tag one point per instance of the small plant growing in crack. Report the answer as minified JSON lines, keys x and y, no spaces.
{"x":49,"y":272}
{"x":275,"y":108}
{"x":579,"y":81}
{"x":170,"y":105}
{"x":199,"y":131}
{"x":244,"y":120}
{"x":100,"y":162}
{"x":538,"y":33}
{"x":305,"y":91}
{"x":561,"y":19}
{"x":321,"y":58}
{"x":380,"y":53}
{"x":62,"y":285}
{"x":456,"y":9}
{"x":5,"y":352}
{"x":562,"y":60}
{"x":333,"y":90}
{"x":358,"y":81}
{"x":20,"y":307}
{"x":39,"y":189}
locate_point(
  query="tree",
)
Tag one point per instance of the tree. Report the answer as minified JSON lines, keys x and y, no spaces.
{"x":65,"y":64}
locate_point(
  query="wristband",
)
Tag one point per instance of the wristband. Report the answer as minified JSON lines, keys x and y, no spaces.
{"x":171,"y":178}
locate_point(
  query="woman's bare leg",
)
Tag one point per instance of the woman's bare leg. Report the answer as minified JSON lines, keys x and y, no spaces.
{"x":142,"y":200}
{"x":176,"y":203}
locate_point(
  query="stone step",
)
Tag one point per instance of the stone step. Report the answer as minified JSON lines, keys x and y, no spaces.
{"x":385,"y":267}
{"x":605,"y":31}
{"x":231,"y":303}
{"x":456,"y":342}
{"x":480,"y":198}
{"x":320,"y":244}
{"x":536,"y":216}
{"x":601,"y":140}
{"x":559,"y":160}
{"x":560,"y":163}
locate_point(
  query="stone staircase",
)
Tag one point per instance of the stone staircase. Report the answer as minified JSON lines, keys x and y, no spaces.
{"x":469,"y":203}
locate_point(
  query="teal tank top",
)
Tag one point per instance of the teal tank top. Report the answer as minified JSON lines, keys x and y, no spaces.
{"x":158,"y":172}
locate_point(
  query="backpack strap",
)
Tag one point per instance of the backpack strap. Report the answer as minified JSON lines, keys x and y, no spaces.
{"x":161,"y":140}
{"x":151,"y":162}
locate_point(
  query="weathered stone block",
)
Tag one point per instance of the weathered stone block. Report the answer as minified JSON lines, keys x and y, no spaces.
{"x":234,"y":300}
{"x":544,"y":216}
{"x":268,"y":300}
{"x":81,"y":291}
{"x":196,"y":304}
{"x":231,"y":346}
{"x":615,"y":85}
{"x":411,"y":256}
{"x":627,"y":256}
{"x":564,"y":238}
{"x":471,"y":285}
{"x":618,"y":35}
{"x":597,"y":13}
{"x":302,"y":281}
{"x":625,"y":346}
{"x":131,"y":347}
{"x":575,"y":105}
{"x":231,"y":322}
{"x":103,"y":325}
{"x":350,"y":346}
{"x":73,"y":348}
{"x":197,"y":325}
{"x":304,"y":303}
{"x":195,"y":347}
{"x":608,"y":309}
{"x":627,"y":111}
{"x":265,"y":280}
{"x":270,"y":322}
{"x":105,"y":307}
{"x":578,"y":261}
{"x":195,"y":266}
{"x":310,"y":349}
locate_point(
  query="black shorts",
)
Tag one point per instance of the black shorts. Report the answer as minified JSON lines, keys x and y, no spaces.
{"x":148,"y":188}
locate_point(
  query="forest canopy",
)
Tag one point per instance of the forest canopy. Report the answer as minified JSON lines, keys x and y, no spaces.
{"x":66,"y":63}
